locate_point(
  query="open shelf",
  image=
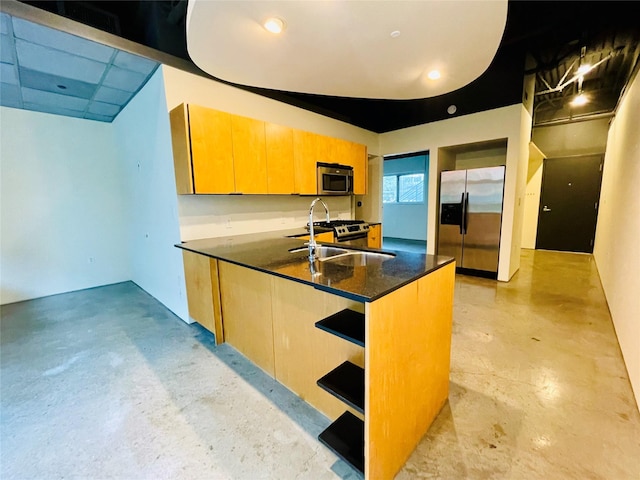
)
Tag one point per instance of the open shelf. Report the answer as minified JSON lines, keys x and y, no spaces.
{"x":346,"y":324}
{"x":345,"y":438}
{"x":346,"y":382}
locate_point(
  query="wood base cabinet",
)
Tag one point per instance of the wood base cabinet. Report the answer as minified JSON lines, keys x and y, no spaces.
{"x":374,"y":238}
{"x":203,"y":292}
{"x":379,"y":370}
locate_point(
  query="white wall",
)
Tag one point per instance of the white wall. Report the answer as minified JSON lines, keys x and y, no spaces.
{"x":616,"y":249}
{"x":514,"y":124}
{"x":222,"y":215}
{"x":585,"y":137}
{"x":491,"y":157}
{"x":532,"y":197}
{"x":143,"y":138}
{"x":406,"y":220}
{"x":63,"y":206}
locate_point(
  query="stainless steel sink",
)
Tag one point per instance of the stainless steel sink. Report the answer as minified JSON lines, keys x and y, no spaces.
{"x":346,"y":256}
{"x":358,"y":258}
{"x":323,"y":252}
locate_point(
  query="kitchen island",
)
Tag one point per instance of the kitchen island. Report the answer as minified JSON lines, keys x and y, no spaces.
{"x":366,"y":342}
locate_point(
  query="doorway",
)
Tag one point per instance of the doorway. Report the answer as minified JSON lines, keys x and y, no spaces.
{"x":569,"y":203}
{"x":404,"y":202}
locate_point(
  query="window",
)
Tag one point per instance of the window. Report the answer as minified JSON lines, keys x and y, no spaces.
{"x":390,"y":189}
{"x":407,"y":188}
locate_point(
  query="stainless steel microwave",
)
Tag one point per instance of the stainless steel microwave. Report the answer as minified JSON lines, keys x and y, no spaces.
{"x":334,"y":179}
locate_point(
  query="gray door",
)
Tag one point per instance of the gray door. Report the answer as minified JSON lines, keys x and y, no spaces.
{"x":452,"y":189}
{"x":569,"y":203}
{"x":483,"y":218}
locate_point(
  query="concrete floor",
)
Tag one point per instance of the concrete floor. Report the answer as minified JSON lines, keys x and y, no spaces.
{"x":416,"y":246}
{"x":106,"y":383}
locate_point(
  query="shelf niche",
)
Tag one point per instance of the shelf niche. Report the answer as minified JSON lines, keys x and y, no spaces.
{"x":346,"y":324}
{"x":345,"y":438}
{"x":346,"y":382}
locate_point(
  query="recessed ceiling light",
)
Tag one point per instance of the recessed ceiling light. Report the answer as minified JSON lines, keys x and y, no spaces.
{"x":434,"y":75}
{"x":274,"y":25}
{"x":395,"y":34}
{"x":452,"y":109}
{"x":579,"y":100}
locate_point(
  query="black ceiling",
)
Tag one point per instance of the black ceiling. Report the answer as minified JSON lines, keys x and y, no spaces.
{"x":551,"y":35}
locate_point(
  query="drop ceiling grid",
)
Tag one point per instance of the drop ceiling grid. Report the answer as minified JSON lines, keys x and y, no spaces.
{"x":55,"y":72}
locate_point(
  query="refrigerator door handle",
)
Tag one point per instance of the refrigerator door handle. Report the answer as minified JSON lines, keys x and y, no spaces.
{"x":462,"y":215}
{"x":466,"y":213}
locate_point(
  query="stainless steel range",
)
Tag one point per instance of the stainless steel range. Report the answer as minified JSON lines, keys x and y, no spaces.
{"x":348,"y":232}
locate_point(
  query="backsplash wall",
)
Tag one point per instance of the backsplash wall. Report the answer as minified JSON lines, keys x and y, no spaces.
{"x":206,"y":216}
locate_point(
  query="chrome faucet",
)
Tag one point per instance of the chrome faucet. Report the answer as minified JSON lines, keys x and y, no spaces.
{"x":312,"y":240}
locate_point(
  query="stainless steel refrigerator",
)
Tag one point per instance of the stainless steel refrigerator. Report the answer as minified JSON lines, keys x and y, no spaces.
{"x":471,"y":217}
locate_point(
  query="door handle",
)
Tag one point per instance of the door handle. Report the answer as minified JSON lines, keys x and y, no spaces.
{"x":462,"y":214}
{"x":546,"y":209}
{"x":466,"y":213}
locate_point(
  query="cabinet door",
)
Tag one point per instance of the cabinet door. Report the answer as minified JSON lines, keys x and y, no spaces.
{"x":181,"y":147}
{"x":358,"y":156}
{"x":354,"y":155}
{"x":280,"y":167}
{"x":211,"y":150}
{"x":249,"y":155}
{"x":374,"y":239}
{"x":203,"y":292}
{"x":306,"y":147}
{"x":319,"y":237}
{"x":246,"y":302}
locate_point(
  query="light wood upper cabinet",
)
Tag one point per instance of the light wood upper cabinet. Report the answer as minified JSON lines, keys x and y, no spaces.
{"x":202,"y":150}
{"x":211,"y":150}
{"x":358,"y":156}
{"x":219,"y":153}
{"x":181,"y":144}
{"x":280,"y":162}
{"x":249,"y":155}
{"x":354,"y":155}
{"x":307,"y":148}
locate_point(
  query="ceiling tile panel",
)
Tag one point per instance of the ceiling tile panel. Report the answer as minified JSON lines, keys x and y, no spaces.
{"x":56,"y":100}
{"x":124,"y":79}
{"x":37,"y":107}
{"x":49,"y":37}
{"x":112,"y":95}
{"x":43,"y":69}
{"x":55,"y":62}
{"x":104,"y":108}
{"x":6,"y":49}
{"x":5,"y":20}
{"x":8,"y":74}
{"x":95,"y":116}
{"x":134,"y":62}
{"x":10,"y":95}
{"x":56,"y":84}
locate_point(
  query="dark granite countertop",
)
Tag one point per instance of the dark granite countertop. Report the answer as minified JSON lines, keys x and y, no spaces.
{"x":269,"y":252}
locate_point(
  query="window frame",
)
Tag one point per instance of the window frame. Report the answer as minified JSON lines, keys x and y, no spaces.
{"x":397,"y":182}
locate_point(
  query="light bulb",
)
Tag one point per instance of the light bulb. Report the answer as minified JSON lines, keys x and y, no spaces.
{"x":584,"y":69}
{"x":434,"y":75}
{"x":579,"y":100}
{"x":274,"y":25}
